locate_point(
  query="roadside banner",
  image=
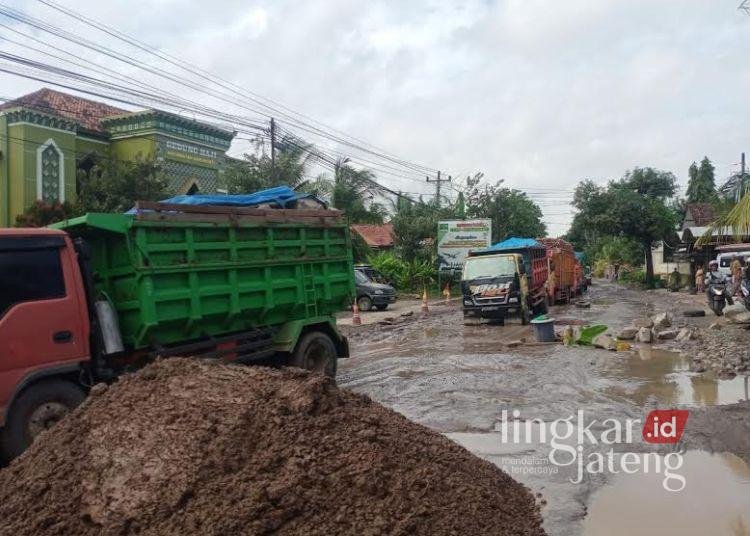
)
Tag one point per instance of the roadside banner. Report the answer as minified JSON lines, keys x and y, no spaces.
{"x":455,"y":238}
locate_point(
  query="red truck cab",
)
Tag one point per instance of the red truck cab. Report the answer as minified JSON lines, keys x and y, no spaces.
{"x":44,"y":332}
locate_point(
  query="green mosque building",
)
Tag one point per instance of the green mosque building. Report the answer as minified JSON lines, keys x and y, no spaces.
{"x":47,"y":136}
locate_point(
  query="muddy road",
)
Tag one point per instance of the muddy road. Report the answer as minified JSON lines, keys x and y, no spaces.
{"x":459,"y":379}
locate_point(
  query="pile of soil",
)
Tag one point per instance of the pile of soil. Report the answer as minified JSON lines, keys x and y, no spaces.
{"x":190,"y":447}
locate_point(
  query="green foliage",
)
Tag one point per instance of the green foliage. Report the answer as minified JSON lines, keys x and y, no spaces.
{"x":736,"y":222}
{"x":701,"y":183}
{"x":639,"y":208}
{"x":113,"y":185}
{"x":619,"y":250}
{"x":360,"y":250}
{"x":636,"y":208}
{"x":254,"y":172}
{"x":511,"y":211}
{"x":411,"y":275}
{"x":351,"y":190}
{"x":633,"y":275}
{"x":41,"y":214}
{"x":415,"y":228}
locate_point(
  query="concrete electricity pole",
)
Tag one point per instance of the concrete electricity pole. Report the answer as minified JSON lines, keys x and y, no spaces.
{"x":437,"y":182}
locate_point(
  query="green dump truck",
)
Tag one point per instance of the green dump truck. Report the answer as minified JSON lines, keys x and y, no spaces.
{"x":106,"y":293}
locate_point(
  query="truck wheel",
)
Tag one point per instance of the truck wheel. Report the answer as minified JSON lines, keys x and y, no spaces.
{"x":364,"y":303}
{"x":38,"y":408}
{"x":316,"y":352}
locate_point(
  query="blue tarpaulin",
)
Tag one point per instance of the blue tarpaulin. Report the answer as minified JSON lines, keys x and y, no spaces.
{"x":515,"y":242}
{"x":283,"y":196}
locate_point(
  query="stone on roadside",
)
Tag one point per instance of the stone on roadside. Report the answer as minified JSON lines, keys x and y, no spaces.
{"x":685,"y":334}
{"x":643,"y":323}
{"x":513,"y":344}
{"x":737,"y":313}
{"x":715,"y":325}
{"x":627,"y":334}
{"x":644,"y":334}
{"x":662,"y":320}
{"x":408,"y":313}
{"x":604,"y":341}
{"x":666,"y":334}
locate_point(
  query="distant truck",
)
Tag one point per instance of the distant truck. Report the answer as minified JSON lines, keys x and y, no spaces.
{"x":505,"y":280}
{"x":107,"y":293}
{"x":566,"y":274}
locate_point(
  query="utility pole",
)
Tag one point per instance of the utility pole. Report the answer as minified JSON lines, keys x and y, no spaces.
{"x":741,"y":188}
{"x":273,"y":152}
{"x":437,"y":182}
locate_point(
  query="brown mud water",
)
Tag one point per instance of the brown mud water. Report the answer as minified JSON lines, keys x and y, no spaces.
{"x":458,"y":379}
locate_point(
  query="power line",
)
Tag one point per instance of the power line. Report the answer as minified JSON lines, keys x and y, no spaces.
{"x":17,"y":15}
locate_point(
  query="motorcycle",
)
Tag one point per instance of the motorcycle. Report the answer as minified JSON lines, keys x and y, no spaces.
{"x":718,"y":297}
{"x":745,"y":290}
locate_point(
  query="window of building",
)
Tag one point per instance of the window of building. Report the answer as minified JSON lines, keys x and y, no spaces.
{"x":50,"y":173}
{"x":30,"y":275}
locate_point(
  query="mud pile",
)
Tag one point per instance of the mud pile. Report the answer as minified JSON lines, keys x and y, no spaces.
{"x":189,"y":447}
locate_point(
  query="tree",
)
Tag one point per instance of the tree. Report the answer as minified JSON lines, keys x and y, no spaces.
{"x":254,"y":172}
{"x":701,"y":183}
{"x":351,"y":190}
{"x":636,"y":208}
{"x":511,"y":211}
{"x":41,"y":214}
{"x":113,"y":185}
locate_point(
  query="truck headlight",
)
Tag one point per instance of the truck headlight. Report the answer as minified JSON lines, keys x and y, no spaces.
{"x":378,"y":291}
{"x":468,"y":302}
{"x":512,"y":300}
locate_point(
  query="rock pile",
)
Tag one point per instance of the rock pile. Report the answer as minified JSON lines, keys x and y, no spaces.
{"x":191,"y":447}
{"x":657,"y":328}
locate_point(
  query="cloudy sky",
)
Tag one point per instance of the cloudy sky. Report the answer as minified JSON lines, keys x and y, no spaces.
{"x":540,"y":93}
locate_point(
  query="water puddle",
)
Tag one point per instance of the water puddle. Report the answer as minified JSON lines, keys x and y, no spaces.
{"x":665,"y":375}
{"x":715,"y":500}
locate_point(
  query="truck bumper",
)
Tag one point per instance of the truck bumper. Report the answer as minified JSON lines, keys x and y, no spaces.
{"x":493,"y":312}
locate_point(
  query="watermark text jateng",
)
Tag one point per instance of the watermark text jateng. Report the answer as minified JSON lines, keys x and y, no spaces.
{"x":568,"y":438}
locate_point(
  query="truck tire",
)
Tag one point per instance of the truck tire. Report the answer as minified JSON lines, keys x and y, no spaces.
{"x":316,"y":352}
{"x":364,"y":303}
{"x":38,"y":408}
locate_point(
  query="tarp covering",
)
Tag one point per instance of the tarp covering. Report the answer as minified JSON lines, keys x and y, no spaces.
{"x":515,"y":242}
{"x":279,"y":195}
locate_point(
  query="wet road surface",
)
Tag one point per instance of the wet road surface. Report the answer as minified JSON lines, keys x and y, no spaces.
{"x":458,"y":379}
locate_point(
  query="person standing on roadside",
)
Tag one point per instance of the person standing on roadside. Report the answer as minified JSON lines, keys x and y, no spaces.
{"x":736,"y":269}
{"x":700,"y":281}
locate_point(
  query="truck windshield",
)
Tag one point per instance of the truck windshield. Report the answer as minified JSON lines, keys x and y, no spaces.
{"x":478,"y":267}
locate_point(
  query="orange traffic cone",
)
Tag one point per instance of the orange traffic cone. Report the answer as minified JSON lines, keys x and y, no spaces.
{"x":425,"y":310}
{"x":356,"y":319}
{"x":447,"y":292}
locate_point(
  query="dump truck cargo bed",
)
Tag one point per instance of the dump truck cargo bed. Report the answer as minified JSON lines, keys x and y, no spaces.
{"x":176,"y":273}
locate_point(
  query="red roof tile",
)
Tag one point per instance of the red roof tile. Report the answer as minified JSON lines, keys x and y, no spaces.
{"x":376,"y":236}
{"x":87,"y":113}
{"x":702,"y":213}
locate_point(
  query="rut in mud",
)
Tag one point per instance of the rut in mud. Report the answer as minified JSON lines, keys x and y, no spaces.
{"x":189,"y":447}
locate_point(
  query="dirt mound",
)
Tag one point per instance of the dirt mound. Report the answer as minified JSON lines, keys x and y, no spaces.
{"x":189,"y":447}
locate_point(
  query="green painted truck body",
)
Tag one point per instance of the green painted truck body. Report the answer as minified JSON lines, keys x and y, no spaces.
{"x":174,"y":281}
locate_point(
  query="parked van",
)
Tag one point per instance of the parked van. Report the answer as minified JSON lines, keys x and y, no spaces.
{"x":725,"y":260}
